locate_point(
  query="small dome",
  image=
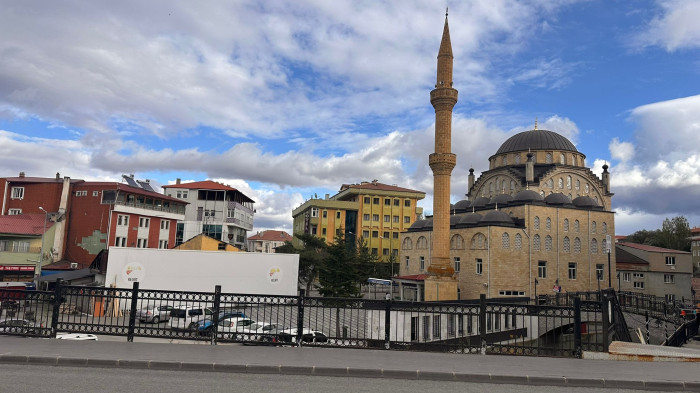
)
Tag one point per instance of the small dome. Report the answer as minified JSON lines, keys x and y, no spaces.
{"x":528,"y":196}
{"x":454,"y":219}
{"x":557,"y":199}
{"x":585,"y":201}
{"x":536,"y":140}
{"x":501,"y":199}
{"x":481,"y":202}
{"x":470,"y":218}
{"x":496,"y":217}
{"x":463,"y":204}
{"x":419,"y":224}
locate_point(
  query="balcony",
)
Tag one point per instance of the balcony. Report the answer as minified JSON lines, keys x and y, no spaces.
{"x":174,"y":212}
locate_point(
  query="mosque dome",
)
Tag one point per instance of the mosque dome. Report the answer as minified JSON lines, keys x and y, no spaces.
{"x":496,"y":217}
{"x":536,"y":140}
{"x":470,"y":218}
{"x":463,"y":204}
{"x":481,"y":202}
{"x":528,"y":196}
{"x":585,"y":201}
{"x":501,"y":199}
{"x":557,"y":199}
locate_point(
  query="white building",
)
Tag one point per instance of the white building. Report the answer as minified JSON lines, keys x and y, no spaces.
{"x":267,"y":241}
{"x":215,"y":209}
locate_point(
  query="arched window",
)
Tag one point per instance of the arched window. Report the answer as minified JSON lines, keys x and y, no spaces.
{"x":567,"y":244}
{"x":561,"y":183}
{"x":605,"y":246}
{"x":479,"y":241}
{"x":576,"y":226}
{"x":505,"y":240}
{"x":548,"y":243}
{"x":407,"y":244}
{"x":574,"y":159}
{"x":516,"y":159}
{"x":577,"y":245}
{"x":548,"y":158}
{"x":512,"y":184}
{"x":536,"y":223}
{"x":536,"y":242}
{"x":491,"y":186}
{"x":548,"y":224}
{"x":505,"y":160}
{"x":586,"y":188}
{"x":594,"y":227}
{"x":566,"y":225}
{"x":421,"y":243}
{"x":457,"y":242}
{"x":562,"y":158}
{"x":518,"y":241}
{"x":594,"y":246}
{"x":604,"y":227}
{"x":578,"y":184}
{"x":568,"y":182}
{"x":542,"y":194}
{"x":550,"y":183}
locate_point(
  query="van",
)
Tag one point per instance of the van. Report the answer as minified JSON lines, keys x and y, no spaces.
{"x":186,"y":317}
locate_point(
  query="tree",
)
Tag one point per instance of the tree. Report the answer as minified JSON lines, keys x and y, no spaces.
{"x":340,"y":274}
{"x":675,"y":234}
{"x":650,"y":238}
{"x":311,"y":258}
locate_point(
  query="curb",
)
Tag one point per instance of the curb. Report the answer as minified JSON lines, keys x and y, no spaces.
{"x":352,"y":372}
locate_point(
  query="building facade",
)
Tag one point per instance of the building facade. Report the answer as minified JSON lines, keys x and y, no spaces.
{"x":655,"y":271}
{"x":214,"y":209}
{"x":537,"y":221}
{"x":695,"y":250}
{"x":373,"y":211}
{"x":267,"y":241}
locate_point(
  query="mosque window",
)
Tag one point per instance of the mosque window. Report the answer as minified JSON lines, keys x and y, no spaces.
{"x":578,"y":184}
{"x":491,"y":186}
{"x":567,"y":244}
{"x":585,"y":188}
{"x":479,"y":241}
{"x":512,"y":184}
{"x":577,"y":245}
{"x":548,"y":158}
{"x":422,"y":243}
{"x":568,"y":182}
{"x":604,"y":228}
{"x":407,"y":244}
{"x":505,"y":241}
{"x":594,"y":227}
{"x":457,"y":242}
{"x":518,"y":241}
{"x":574,"y":159}
{"x":516,"y":159}
{"x":566,"y":225}
{"x":548,"y":224}
{"x":561,"y":183}
{"x":576,"y":226}
{"x":548,"y":243}
{"x":550,"y":183}
{"x":562,"y":158}
{"x":594,"y":246}
{"x":536,"y":223}
{"x":505,"y":160}
{"x":536,"y":243}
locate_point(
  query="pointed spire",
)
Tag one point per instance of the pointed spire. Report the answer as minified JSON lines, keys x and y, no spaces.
{"x":535,"y":123}
{"x":445,"y":44}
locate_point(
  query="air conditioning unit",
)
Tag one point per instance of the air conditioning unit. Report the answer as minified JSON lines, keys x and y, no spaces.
{"x":73,"y":265}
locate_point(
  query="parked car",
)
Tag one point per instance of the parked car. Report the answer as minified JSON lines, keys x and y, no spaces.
{"x":308,"y":336}
{"x":18,"y":326}
{"x":230,"y":326}
{"x":154,"y":314}
{"x":187,"y":317}
{"x":265,"y":331}
{"x":76,"y":336}
{"x":204,"y":326}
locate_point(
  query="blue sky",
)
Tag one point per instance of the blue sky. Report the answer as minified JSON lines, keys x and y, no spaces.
{"x":286,"y":99}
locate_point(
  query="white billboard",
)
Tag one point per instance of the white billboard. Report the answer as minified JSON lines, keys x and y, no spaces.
{"x":201,"y":271}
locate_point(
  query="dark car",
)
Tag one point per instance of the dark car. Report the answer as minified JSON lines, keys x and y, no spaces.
{"x":308,"y":336}
{"x":204,"y":327}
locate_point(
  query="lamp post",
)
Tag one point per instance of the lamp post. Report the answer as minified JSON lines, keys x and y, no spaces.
{"x":37,"y":269}
{"x":536,"y":282}
{"x":609,"y":247}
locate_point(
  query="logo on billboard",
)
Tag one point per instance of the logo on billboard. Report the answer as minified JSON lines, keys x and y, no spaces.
{"x":275,"y":275}
{"x":134,"y":272}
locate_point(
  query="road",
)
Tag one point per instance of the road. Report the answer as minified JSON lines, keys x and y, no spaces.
{"x":23,"y":379}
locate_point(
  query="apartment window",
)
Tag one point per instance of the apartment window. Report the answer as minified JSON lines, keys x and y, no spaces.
{"x":397,"y":202}
{"x":95,"y":193}
{"x":395,"y":235}
{"x":164,"y":224}
{"x":479,"y":266}
{"x":671,"y":261}
{"x":457,"y":264}
{"x":162,"y":244}
{"x":366,"y":200}
{"x":375,"y":201}
{"x":14,"y":212}
{"x":436,"y":326}
{"x":626,"y":277}
{"x":337,"y":214}
{"x":323,"y":231}
{"x":141,"y":243}
{"x":385,"y":235}
{"x":375,"y":217}
{"x":670,"y":298}
{"x":374,"y":251}
{"x":209,"y":213}
{"x":572,"y":270}
{"x":120,"y":242}
{"x":426,"y":328}
{"x":387,"y":202}
{"x":385,"y":252}
{"x":406,"y":219}
{"x":669,"y":279}
{"x":422,"y":263}
{"x":375,"y":234}
{"x":407,"y":203}
{"x":408,"y":259}
{"x":638,"y":275}
{"x":123,"y":220}
{"x":599,"y":272}
{"x":365,"y":234}
{"x":387,"y":218}
{"x":17,"y":192}
{"x":144,"y":222}
{"x":396,"y":219}
{"x":325,"y":214}
{"x":314,"y":212}
{"x":639,"y":285}
{"x":365,"y":216}
{"x":542,"y":269}
{"x":80,"y":193}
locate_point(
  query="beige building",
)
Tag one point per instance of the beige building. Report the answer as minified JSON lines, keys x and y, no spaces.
{"x":267,"y":241}
{"x":537,"y":221}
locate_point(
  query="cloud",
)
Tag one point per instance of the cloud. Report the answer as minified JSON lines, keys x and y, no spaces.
{"x":622,"y":151}
{"x":675,"y":28}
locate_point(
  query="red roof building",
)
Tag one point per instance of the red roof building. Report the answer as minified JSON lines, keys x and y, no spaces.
{"x":267,"y":241}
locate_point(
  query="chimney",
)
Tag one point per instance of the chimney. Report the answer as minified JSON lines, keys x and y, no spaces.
{"x":21,"y":174}
{"x":58,"y":176}
{"x":177,"y":181}
{"x":148,"y":180}
{"x":530,"y":168}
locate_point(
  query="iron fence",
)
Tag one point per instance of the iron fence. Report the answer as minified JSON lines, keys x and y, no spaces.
{"x":484,"y":326}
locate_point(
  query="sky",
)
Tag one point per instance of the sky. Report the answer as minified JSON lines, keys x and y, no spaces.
{"x":285,"y":100}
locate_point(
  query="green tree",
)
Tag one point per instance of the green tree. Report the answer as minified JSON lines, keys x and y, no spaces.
{"x":675,"y":234}
{"x":340,"y":274}
{"x":650,"y":238}
{"x":312,"y":257}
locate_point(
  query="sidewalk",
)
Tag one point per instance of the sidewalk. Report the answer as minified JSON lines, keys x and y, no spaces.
{"x":668,"y":376}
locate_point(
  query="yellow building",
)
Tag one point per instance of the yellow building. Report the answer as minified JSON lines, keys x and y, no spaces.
{"x":203,"y":242}
{"x":376,"y":212}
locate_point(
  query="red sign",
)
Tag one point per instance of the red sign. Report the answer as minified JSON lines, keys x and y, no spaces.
{"x":557,"y":288}
{"x":16,"y":268}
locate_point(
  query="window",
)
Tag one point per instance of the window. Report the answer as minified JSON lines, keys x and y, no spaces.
{"x":406,"y":219}
{"x":395,"y":235}
{"x":626,"y":277}
{"x":542,"y":269}
{"x":397,"y":202}
{"x":578,"y":184}
{"x":670,"y":261}
{"x":385,"y":252}
{"x":385,"y":235}
{"x":594,"y":246}
{"x":566,"y":225}
{"x":670,"y":298}
{"x":457,"y":242}
{"x":323,"y":231}
{"x":408,"y":260}
{"x":457,"y":264}
{"x":17,"y":192}
{"x":599,"y":272}
{"x":396,"y":219}
{"x":422,"y":263}
{"x":95,"y":193}
{"x":505,"y":241}
{"x":407,"y":203}
{"x":387,"y":202}
{"x":479,"y":241}
{"x":604,"y":228}
{"x":144,"y":222}
{"x":14,"y":212}
{"x":567,"y":244}
{"x":122,"y":220}
{"x":162,"y":244}
{"x":548,"y":243}
{"x":548,"y":224}
{"x":638,"y":275}
{"x":668,"y":279}
{"x":562,"y":159}
{"x":576,"y":226}
{"x":426,"y":328}
{"x":374,"y":251}
{"x":518,"y":241}
{"x":81,"y":193}
{"x":470,"y":325}
{"x":164,"y":224}
{"x":577,"y":245}
{"x":375,"y":217}
{"x":375,"y":201}
{"x":479,"y":266}
{"x":560,"y":183}
{"x":568,"y":182}
{"x":337,"y":214}
{"x":497,"y":321}
{"x":593,"y":227}
{"x":387,"y":218}
{"x":375,"y":233}
{"x":365,"y":234}
{"x":325,"y":214}
{"x":536,"y":243}
{"x":314,"y":212}
{"x":436,"y":326}
{"x":141,"y":243}
{"x":605,"y":246}
{"x":406,"y":244}
{"x":366,"y":200}
{"x":548,"y":158}
{"x":209,"y":213}
{"x":572,"y":270}
{"x":451,"y":325}
{"x":120,"y":242}
{"x":638,"y":285}
{"x":365,"y":216}
{"x":422,"y":243}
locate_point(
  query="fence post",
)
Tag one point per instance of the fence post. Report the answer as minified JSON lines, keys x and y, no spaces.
{"x":646,"y":318}
{"x":578,"y":350}
{"x":606,"y":324}
{"x":57,"y":300}
{"x":387,"y":323}
{"x":132,"y":312}
{"x":300,"y":316}
{"x":215,"y":317}
{"x":482,"y":322}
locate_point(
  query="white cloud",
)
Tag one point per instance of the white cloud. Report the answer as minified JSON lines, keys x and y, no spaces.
{"x":675,"y":28}
{"x":623,"y":151}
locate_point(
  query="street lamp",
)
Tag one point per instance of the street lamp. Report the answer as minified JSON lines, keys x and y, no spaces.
{"x":37,"y":269}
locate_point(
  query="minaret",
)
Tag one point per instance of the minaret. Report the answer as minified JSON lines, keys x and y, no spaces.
{"x":443,"y":98}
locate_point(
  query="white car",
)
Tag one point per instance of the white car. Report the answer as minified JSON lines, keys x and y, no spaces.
{"x":76,"y":336}
{"x":186,"y":317}
{"x":229,"y":326}
{"x":308,"y":336}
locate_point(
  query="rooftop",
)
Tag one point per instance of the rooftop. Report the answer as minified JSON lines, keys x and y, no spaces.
{"x":24,"y":224}
{"x":271,"y":235}
{"x":645,"y":247}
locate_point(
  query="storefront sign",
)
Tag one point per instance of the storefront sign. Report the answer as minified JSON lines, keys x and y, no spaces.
{"x":16,"y":268}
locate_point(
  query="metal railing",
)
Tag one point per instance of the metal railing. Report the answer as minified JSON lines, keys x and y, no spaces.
{"x":684,"y":333}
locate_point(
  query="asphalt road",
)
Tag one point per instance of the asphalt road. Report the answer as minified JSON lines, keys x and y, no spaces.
{"x":23,"y":379}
